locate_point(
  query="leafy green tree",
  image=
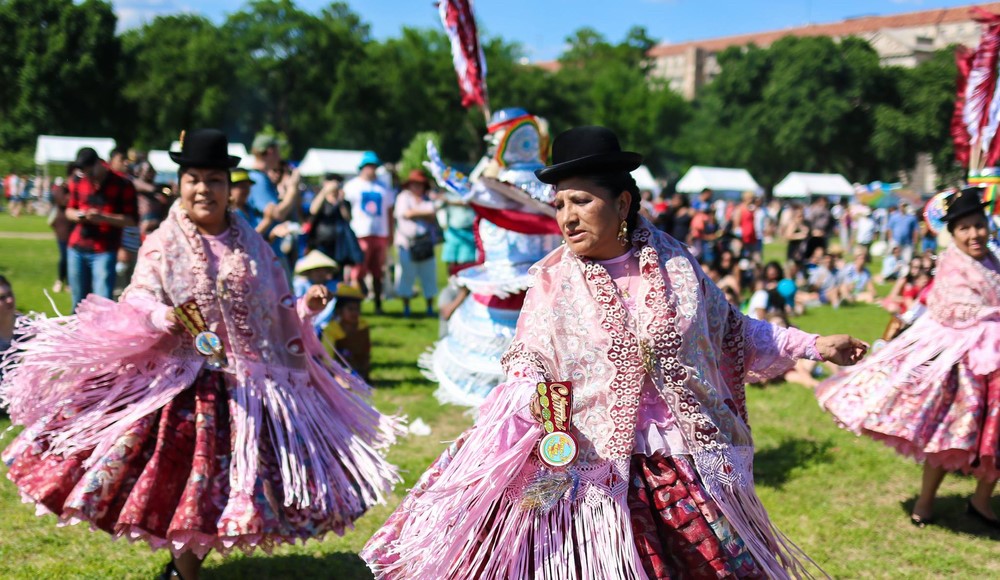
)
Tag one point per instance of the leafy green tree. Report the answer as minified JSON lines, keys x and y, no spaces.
{"x":607,"y":85}
{"x":400,"y":87}
{"x":291,"y":65}
{"x":59,"y":69}
{"x":178,"y":78}
{"x":415,"y":154}
{"x":803,"y":104}
{"x":921,"y":121}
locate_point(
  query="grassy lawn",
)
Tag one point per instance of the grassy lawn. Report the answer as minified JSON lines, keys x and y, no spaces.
{"x":842,"y":499}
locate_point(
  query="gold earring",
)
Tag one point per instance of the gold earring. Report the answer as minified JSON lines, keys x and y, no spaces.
{"x":623,"y":234}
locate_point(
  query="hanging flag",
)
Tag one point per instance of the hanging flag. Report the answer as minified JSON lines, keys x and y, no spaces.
{"x":979,"y":109}
{"x":959,"y":134}
{"x":467,"y":55}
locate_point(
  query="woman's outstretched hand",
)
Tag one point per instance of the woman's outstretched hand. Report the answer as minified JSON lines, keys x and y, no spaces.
{"x":317,"y":297}
{"x":841,"y":349}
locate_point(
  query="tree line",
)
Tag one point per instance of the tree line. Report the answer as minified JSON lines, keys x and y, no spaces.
{"x":322,"y":80}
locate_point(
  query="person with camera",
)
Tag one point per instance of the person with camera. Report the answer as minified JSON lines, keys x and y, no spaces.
{"x":101,"y":204}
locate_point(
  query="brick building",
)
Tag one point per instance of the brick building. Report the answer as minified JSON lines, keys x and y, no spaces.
{"x":900,"y":40}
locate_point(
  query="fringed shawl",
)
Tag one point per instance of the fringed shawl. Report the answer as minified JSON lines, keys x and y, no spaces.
{"x":472,"y":523}
{"x":962,"y":324}
{"x":82,"y":380}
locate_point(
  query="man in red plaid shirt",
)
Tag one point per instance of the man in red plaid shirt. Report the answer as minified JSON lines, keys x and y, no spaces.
{"x":101,"y":203}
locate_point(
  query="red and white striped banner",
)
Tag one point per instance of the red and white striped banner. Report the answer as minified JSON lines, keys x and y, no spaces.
{"x":467,"y":55}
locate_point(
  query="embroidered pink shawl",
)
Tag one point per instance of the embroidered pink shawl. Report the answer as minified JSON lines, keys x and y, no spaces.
{"x":111,"y":366}
{"x":574,"y":327}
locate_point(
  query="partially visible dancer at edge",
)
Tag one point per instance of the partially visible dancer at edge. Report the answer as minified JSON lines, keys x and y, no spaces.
{"x":933,"y":393}
{"x":8,"y":318}
{"x":201,"y":412}
{"x":662,"y":482}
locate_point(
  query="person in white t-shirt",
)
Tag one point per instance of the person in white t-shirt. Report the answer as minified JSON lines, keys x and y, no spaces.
{"x":371,"y":219}
{"x":864,"y":228}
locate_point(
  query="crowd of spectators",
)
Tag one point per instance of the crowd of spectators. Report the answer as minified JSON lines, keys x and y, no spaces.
{"x":828,"y":258}
{"x":371,"y":236}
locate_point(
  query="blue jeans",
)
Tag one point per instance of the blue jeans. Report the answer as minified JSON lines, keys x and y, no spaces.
{"x":63,"y":277}
{"x":90,"y":272}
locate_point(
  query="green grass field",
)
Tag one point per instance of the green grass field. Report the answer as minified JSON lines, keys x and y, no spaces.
{"x":842,"y":499}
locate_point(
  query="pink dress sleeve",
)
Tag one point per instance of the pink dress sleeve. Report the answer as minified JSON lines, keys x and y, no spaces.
{"x":771,"y":350}
{"x":752,"y":350}
{"x":516,"y":393}
{"x":145,"y":290}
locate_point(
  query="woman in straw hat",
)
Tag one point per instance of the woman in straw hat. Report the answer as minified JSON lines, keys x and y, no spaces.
{"x":200,"y":412}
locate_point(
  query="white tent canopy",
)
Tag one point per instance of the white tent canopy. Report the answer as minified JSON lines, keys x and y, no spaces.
{"x":718,"y":179}
{"x":235,"y":149}
{"x":322,"y":161}
{"x":797,"y":184}
{"x":55,"y":149}
{"x":644,"y":179}
{"x":161,"y":161}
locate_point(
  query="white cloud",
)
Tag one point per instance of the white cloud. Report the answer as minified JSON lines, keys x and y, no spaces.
{"x":135,"y":13}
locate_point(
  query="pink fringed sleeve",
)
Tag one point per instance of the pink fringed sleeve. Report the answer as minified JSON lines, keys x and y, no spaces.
{"x":145,"y":290}
{"x":771,"y":350}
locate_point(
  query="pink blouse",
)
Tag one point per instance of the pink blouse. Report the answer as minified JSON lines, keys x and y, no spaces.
{"x":214,"y":253}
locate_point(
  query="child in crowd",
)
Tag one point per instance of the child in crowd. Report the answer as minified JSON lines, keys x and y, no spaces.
{"x":821,"y":279}
{"x":317,"y":268}
{"x":448,"y":302}
{"x":893,"y":266}
{"x":348,"y":332}
{"x":854,"y":282}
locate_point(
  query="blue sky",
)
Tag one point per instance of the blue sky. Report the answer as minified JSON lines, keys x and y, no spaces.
{"x":541,"y":26}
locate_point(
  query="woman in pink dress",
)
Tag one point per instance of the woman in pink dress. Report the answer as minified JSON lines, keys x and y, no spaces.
{"x":662,"y":484}
{"x":200,"y":412}
{"x":933,"y":393}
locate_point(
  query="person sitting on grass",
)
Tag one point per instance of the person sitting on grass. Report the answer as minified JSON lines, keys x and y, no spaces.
{"x":893,"y":266}
{"x":766,"y":298}
{"x":821,"y":279}
{"x":788,"y":287}
{"x":906,"y":290}
{"x":317,"y":268}
{"x":854,"y":282}
{"x":348,"y":332}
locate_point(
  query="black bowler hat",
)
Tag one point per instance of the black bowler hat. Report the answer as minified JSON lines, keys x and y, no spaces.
{"x":962,"y":203}
{"x":589,"y":150}
{"x":205,"y":148}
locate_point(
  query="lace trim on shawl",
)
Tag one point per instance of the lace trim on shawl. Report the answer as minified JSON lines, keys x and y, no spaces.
{"x":735,"y":373}
{"x":625,"y":355}
{"x":518,"y":357}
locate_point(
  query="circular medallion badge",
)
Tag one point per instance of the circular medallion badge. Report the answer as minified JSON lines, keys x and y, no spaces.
{"x":208,"y":343}
{"x":557,"y":449}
